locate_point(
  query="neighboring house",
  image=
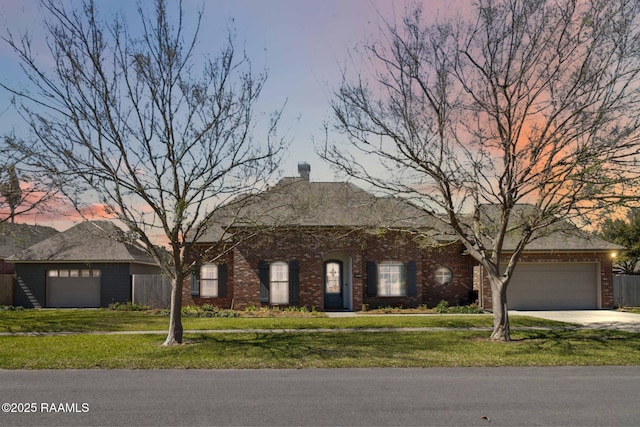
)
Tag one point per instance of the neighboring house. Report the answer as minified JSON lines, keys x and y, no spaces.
{"x":14,"y":238}
{"x":334,"y":246}
{"x":88,"y":265}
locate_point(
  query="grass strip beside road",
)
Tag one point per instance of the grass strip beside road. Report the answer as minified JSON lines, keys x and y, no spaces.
{"x":459,"y":346}
{"x":326,"y":350}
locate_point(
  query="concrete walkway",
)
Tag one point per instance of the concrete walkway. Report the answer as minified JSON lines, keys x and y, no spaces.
{"x":592,"y":319}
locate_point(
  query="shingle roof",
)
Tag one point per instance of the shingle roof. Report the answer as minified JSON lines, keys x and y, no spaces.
{"x":564,"y":241}
{"x":296,"y":202}
{"x":89,"y":241}
{"x":15,"y":238}
{"x":300,"y":202}
{"x":561,"y":236}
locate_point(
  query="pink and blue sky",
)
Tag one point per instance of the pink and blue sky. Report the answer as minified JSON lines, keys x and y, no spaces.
{"x":303,"y":44}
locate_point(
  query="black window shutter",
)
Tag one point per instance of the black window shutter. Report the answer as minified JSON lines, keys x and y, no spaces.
{"x":222,"y":280}
{"x":372,"y":279}
{"x":412,"y":287}
{"x":294,"y":282}
{"x":195,"y":284}
{"x":263,"y":274}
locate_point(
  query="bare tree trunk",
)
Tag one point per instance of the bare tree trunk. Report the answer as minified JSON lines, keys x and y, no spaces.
{"x":175,"y":316}
{"x":501,"y":331}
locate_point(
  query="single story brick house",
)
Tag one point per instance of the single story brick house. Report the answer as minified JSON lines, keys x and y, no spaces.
{"x":88,"y":265}
{"x":334,"y":246}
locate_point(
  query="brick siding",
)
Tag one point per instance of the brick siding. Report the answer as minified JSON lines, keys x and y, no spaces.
{"x":459,"y":291}
{"x":313,"y":246}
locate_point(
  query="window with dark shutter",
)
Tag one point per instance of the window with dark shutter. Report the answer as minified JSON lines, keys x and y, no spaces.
{"x":263,"y":274}
{"x":222,"y":280}
{"x":294,"y":282}
{"x":279,"y":282}
{"x":392,"y":279}
{"x":412,"y":286}
{"x":372,"y":279}
{"x":195,"y":285}
{"x":208,"y":280}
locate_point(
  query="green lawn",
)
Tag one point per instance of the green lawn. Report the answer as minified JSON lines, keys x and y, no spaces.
{"x":300,"y":349}
{"x":71,"y":320}
{"x":635,"y":310}
{"x":321,"y":350}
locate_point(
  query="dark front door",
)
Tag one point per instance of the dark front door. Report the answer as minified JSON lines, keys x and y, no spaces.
{"x":333,"y":285}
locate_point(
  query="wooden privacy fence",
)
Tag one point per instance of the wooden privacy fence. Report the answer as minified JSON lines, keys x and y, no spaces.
{"x":626,"y":291}
{"x":6,"y":289}
{"x":153,"y":290}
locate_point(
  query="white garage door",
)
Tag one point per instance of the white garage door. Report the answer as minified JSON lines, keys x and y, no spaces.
{"x":554,"y":286}
{"x":73,"y":291}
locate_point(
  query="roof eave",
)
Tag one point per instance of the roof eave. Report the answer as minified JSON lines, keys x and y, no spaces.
{"x":73,"y":261}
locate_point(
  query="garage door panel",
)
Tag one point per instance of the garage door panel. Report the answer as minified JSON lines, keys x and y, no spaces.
{"x":69,"y":292}
{"x":556,"y":286}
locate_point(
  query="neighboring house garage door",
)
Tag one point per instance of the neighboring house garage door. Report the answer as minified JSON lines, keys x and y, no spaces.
{"x":554,"y":286}
{"x":73,"y":289}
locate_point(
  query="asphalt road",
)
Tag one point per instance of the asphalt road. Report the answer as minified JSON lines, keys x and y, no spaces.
{"x":582,"y":396}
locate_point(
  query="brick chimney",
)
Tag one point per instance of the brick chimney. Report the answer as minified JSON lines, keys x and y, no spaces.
{"x":304,"y":170}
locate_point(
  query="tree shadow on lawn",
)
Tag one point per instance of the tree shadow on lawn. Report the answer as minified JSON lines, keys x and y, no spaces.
{"x":322,"y":346}
{"x":573,"y":342}
{"x":411,"y":349}
{"x":283,"y":345}
{"x":71,"y":320}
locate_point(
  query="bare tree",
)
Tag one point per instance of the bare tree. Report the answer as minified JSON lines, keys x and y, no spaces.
{"x":145,"y":126}
{"x":527,"y":103}
{"x":21,"y":192}
{"x":10,"y":190}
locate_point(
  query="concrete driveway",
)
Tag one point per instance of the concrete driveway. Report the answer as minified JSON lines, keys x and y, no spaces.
{"x":596,"y":319}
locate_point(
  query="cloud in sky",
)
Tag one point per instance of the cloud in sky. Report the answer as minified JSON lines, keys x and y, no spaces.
{"x":60,"y":215}
{"x":304,"y":44}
